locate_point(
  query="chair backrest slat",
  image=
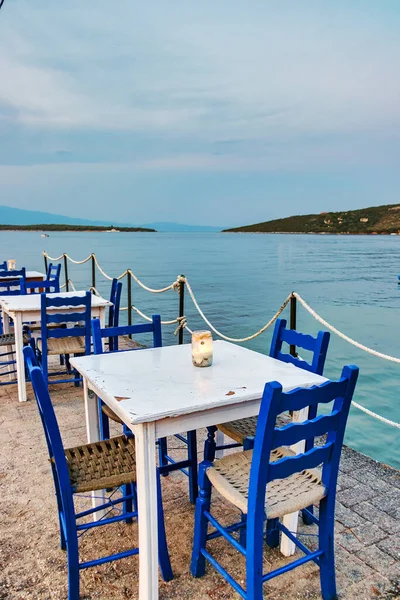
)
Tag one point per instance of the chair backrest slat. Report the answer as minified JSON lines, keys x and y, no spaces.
{"x":300,"y":398}
{"x":295,"y":432}
{"x":285,"y":467}
{"x":318,"y":346}
{"x":114,"y":332}
{"x":13,"y":285}
{"x":38,"y":287}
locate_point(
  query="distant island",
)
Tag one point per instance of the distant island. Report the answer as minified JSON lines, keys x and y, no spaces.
{"x":64,"y":227}
{"x":14,"y":217}
{"x":374,"y":220}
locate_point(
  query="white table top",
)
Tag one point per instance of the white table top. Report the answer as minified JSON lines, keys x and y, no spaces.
{"x":151,"y":384}
{"x":28,"y":275}
{"x":31,"y":302}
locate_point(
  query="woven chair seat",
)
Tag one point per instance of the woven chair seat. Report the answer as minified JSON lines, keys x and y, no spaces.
{"x":243,"y":428}
{"x":8,"y":339}
{"x":64,"y":345}
{"x":105,"y":464}
{"x":230,"y":476}
{"x":111,"y":414}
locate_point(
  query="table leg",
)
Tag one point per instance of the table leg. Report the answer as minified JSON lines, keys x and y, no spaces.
{"x":9,"y":349}
{"x":93,"y":435}
{"x":288,"y":548}
{"x":147,"y":506}
{"x":19,"y":357}
{"x":219,"y":440}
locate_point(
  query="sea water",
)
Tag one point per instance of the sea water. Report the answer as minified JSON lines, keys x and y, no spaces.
{"x":240,"y":280}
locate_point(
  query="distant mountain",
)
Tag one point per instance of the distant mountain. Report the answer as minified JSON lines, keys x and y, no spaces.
{"x":18,"y":216}
{"x":372,"y":220}
{"x":179,"y":227}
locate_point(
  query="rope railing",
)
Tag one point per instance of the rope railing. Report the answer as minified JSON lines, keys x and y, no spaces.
{"x":182,"y":322}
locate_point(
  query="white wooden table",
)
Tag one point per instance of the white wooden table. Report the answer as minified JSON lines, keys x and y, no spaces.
{"x":158,"y":392}
{"x":29,"y":276}
{"x":26,"y":308}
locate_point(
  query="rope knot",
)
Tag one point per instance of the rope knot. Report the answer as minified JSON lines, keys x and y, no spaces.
{"x":182,"y":322}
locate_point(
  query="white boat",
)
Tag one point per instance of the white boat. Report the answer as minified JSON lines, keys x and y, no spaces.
{"x":44,"y":235}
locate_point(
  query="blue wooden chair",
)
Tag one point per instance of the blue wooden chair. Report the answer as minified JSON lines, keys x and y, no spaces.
{"x":3,"y":266}
{"x":12,"y":286}
{"x":53,"y":274}
{"x":243,"y":430}
{"x":270,"y":481}
{"x":65,"y":340}
{"x":87,"y":468}
{"x":167,"y":463}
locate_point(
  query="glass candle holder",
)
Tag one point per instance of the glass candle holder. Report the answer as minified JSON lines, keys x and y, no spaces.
{"x":11,"y":264}
{"x":202,"y":350}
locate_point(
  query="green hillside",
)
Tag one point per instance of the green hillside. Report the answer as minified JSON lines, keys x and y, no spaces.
{"x":62,"y":227}
{"x":373,"y":220}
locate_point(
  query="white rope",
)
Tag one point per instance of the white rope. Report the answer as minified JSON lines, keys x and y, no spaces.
{"x":172,"y":286}
{"x":51,"y":258}
{"x":342,"y":335}
{"x":95,"y":292}
{"x":357,"y":345}
{"x":72,"y":285}
{"x":230,"y":339}
{"x":149,"y":319}
{"x":372,"y":414}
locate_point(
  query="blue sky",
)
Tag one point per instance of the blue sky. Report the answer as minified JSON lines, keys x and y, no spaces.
{"x":219,"y":113}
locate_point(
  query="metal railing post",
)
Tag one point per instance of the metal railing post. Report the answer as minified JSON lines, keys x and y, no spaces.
{"x":293,"y":319}
{"x":181,"y":306}
{"x":93,"y":273}
{"x":45,"y":263}
{"x":66,"y":273}
{"x":129,"y":299}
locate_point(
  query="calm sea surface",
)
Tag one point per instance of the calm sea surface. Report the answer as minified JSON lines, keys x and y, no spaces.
{"x":240,"y":280}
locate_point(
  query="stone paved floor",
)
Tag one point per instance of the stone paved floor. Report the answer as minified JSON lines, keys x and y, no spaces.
{"x":33,"y":567}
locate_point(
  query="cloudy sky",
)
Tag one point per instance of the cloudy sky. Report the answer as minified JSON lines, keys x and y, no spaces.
{"x":214,"y":112}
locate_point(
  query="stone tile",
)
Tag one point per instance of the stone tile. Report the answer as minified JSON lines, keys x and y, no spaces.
{"x":347,"y":540}
{"x":356,"y":494}
{"x":351,"y":461}
{"x":388,"y":503}
{"x":380,"y":518}
{"x":345,"y":481}
{"x":347,"y":516}
{"x":369,"y":534}
{"x":374,"y":586}
{"x":391,"y":545}
{"x":376,"y":559}
{"x":349,"y":568}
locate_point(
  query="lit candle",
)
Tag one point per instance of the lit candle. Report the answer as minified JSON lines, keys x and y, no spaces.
{"x":202,"y":351}
{"x":11,"y":264}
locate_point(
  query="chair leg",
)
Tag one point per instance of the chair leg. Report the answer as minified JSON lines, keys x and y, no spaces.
{"x":209,"y":444}
{"x":326,"y":543}
{"x":104,"y":422}
{"x":272,"y":533}
{"x":248,"y":442}
{"x":192,"y":456}
{"x":162,"y":454}
{"x":198,"y":563}
{"x":306,"y":517}
{"x":242,"y":531}
{"x":163,"y":554}
{"x":127,"y":490}
{"x":73,"y":563}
